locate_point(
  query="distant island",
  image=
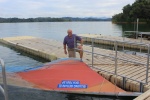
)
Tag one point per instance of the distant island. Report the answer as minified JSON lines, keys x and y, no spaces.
{"x":49,"y":19}
{"x":139,"y":9}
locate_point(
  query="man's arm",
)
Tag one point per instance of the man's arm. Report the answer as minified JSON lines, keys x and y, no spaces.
{"x":79,"y":39}
{"x":81,"y":42}
{"x":64,"y":43}
{"x":65,"y":51}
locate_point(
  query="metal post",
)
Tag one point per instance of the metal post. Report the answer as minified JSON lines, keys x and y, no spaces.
{"x":137,"y":28}
{"x":123,"y":36}
{"x":141,"y":87}
{"x":134,"y":26}
{"x":141,"y":37}
{"x":92,"y":51}
{"x":75,"y":46}
{"x":141,"y":42}
{"x":140,"y":49}
{"x":147,"y":67}
{"x":4,"y":79}
{"x":116,"y":57}
{"x":124,"y":83}
{"x":2,"y":90}
{"x":114,"y":47}
{"x":123,"y":41}
{"x":123,"y":47}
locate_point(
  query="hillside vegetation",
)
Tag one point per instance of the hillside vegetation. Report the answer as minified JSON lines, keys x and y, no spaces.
{"x":49,"y":19}
{"x":139,"y":9}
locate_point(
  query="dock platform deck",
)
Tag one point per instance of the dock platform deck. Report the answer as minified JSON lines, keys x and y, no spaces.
{"x":110,"y":40}
{"x":52,"y":50}
{"x":116,"y":38}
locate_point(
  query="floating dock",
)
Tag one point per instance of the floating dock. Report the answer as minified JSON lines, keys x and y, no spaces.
{"x":110,"y":40}
{"x":52,"y":50}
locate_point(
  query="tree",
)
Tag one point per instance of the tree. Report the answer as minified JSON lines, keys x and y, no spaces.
{"x":139,"y":9}
{"x":118,"y":17}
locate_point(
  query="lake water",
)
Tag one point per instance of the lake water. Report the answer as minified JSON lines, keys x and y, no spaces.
{"x":56,"y":31}
{"x":48,"y":30}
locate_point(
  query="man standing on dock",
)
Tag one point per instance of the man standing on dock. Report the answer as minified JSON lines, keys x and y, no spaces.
{"x":69,"y":41}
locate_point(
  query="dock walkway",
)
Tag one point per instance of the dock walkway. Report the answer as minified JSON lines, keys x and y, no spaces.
{"x":115,"y":38}
{"x":52,"y":50}
{"x":110,"y":40}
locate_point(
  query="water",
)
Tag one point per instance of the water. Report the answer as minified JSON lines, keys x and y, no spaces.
{"x":18,"y":61}
{"x":56,"y":31}
{"x":48,"y":29}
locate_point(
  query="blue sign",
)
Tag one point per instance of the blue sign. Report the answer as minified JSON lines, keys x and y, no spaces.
{"x":71,"y":84}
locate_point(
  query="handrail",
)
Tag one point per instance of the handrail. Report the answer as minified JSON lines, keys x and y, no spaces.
{"x":112,"y":57}
{"x":1,"y":89}
{"x":4,"y":90}
{"x":116,"y":58}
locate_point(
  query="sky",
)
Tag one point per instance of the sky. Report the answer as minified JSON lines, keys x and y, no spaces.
{"x":61,"y":8}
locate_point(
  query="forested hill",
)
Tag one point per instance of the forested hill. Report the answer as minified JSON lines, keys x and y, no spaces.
{"x":139,"y":9}
{"x":49,"y":19}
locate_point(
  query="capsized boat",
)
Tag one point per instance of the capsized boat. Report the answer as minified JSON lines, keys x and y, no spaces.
{"x":72,"y":76}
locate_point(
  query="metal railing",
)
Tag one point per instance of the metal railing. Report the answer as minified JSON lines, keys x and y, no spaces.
{"x":116,"y":58}
{"x":4,"y":90}
{"x":137,"y":33}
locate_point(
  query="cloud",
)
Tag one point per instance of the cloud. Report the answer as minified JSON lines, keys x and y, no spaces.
{"x":61,"y":8}
{"x":2,"y":1}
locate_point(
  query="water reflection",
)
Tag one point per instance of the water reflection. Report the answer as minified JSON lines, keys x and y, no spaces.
{"x":133,"y":27}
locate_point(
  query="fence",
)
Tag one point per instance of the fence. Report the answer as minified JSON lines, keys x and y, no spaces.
{"x":118,"y":60}
{"x":4,"y":91}
{"x":136,"y":34}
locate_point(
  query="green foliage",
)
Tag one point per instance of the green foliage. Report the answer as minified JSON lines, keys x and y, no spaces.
{"x":139,"y":9}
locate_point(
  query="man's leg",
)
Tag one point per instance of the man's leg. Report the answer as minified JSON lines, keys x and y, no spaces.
{"x":71,"y":53}
{"x":80,"y":52}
